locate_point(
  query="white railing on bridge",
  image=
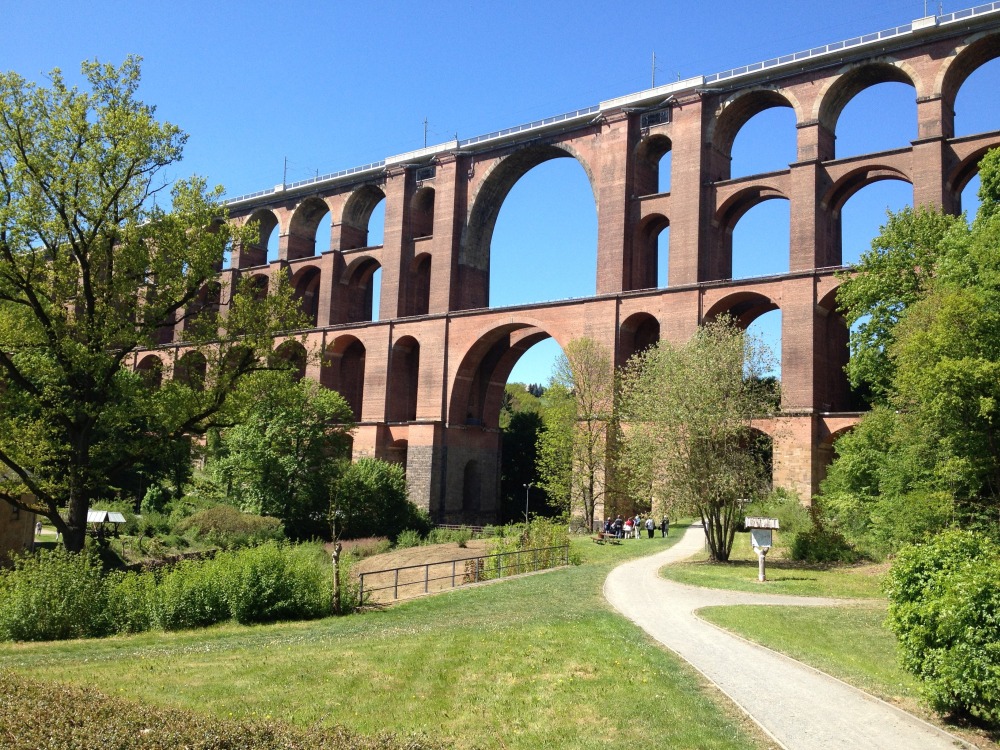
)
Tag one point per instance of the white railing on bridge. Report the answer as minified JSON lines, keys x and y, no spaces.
{"x":847,"y":44}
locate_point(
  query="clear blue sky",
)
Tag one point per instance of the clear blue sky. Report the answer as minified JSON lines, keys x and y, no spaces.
{"x":332,"y":85}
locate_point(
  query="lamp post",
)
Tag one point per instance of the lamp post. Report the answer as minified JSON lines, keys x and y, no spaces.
{"x":527,"y":489}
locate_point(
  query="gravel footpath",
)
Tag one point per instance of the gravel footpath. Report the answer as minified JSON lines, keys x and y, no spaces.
{"x":800,"y":707}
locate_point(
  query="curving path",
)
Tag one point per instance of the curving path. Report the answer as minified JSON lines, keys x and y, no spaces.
{"x":800,"y":707}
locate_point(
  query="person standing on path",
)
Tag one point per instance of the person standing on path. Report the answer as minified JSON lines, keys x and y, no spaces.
{"x":650,"y":526}
{"x":664,"y":526}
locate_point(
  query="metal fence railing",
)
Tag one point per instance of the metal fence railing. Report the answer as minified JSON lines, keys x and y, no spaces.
{"x":414,"y":580}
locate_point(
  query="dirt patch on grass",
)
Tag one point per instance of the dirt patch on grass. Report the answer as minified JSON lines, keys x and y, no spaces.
{"x":442,"y":567}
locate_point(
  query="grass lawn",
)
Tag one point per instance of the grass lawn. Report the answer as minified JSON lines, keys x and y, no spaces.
{"x":783,"y":576}
{"x":534,"y":662}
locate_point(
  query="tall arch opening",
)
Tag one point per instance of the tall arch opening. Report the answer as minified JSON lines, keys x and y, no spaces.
{"x":757,"y":314}
{"x":150,"y":369}
{"x":529,"y":240}
{"x":970,"y":84}
{"x":418,"y":293}
{"x":422,"y":212}
{"x":638,"y":333}
{"x":191,"y":370}
{"x":767,"y":108}
{"x":305,"y":288}
{"x":290,"y":355}
{"x":363,"y":222}
{"x":765,"y":142}
{"x":359,"y":302}
{"x":651,"y":257}
{"x":653,"y":161}
{"x":761,"y":240}
{"x":864,"y":213}
{"x":264,"y":245}
{"x":304,"y":236}
{"x":404,"y":380}
{"x":874,"y":92}
{"x":343,"y":370}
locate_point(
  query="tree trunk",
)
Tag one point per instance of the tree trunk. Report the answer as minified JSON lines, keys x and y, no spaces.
{"x":74,"y":531}
{"x":337,"y":547}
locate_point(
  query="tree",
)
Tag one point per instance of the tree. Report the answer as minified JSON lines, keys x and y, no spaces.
{"x":92,"y":270}
{"x":580,"y":423}
{"x":288,"y":446}
{"x":890,"y":277}
{"x":939,"y":371}
{"x":370,"y":499}
{"x":688,"y":439}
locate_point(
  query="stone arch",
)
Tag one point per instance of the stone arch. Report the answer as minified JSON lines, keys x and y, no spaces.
{"x":963,"y":172}
{"x":638,"y":332}
{"x":305,"y":288}
{"x":743,"y":307}
{"x":474,"y":254}
{"x":843,"y":189}
{"x":404,"y":380}
{"x":827,"y":448}
{"x":150,"y":369}
{"x":191,"y":370}
{"x":737,"y":110}
{"x":290,"y":355}
{"x":422,"y":212}
{"x":419,"y":288}
{"x":964,"y":60}
{"x":343,"y":370}
{"x":357,"y":277}
{"x":255,"y":253}
{"x":204,"y":308}
{"x":648,"y":155}
{"x":357,"y":213}
{"x":728,"y":215}
{"x":831,"y":354}
{"x":478,"y":387}
{"x":257,"y":286}
{"x":854,"y":79}
{"x":645,"y":257}
{"x":302,"y":228}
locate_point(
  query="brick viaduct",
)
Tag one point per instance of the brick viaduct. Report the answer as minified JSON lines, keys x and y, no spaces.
{"x":425,"y":380}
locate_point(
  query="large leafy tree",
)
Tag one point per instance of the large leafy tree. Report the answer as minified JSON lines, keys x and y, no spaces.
{"x":688,"y":440}
{"x":939,"y":373}
{"x":288,"y":446}
{"x":580,"y":423}
{"x":94,"y":265}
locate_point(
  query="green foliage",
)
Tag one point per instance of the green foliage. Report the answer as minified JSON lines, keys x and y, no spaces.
{"x":555,"y":445}
{"x":92,"y":270}
{"x":287,"y":448}
{"x":371,"y":500}
{"x":890,"y":277}
{"x":540,"y":533}
{"x":944,"y":607}
{"x":276,"y":582}
{"x":61,"y":717}
{"x":822,"y":545}
{"x":689,"y":443}
{"x":57,"y":595}
{"x":226,"y":527}
{"x":408,"y":538}
{"x":53,"y":595}
{"x":785,"y":505}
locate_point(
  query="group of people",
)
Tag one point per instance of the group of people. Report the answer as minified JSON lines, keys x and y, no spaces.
{"x":626,"y":528}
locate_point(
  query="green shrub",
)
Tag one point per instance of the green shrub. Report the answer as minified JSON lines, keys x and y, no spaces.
{"x":61,"y":717}
{"x":275,"y":582}
{"x":944,"y":606}
{"x":53,"y":595}
{"x":130,"y":601}
{"x":408,"y":538}
{"x":822,"y":545}
{"x":155,"y":500}
{"x":371,"y":500}
{"x":189,"y":595}
{"x":227,"y":527}
{"x":541,"y":533}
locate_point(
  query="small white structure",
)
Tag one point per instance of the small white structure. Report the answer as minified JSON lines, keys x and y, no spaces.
{"x":760,"y":538}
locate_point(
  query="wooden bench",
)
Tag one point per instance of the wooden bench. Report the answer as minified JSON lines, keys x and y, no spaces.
{"x":601,"y":538}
